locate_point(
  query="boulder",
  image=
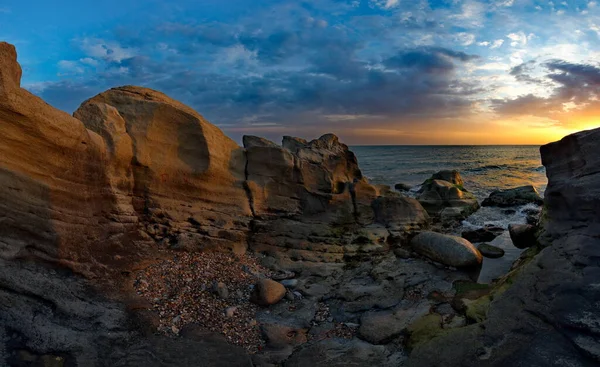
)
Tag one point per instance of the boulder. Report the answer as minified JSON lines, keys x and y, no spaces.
{"x":267,"y":292}
{"x":437,"y":194}
{"x":514,"y":197}
{"x":402,"y":187}
{"x":452,"y":176}
{"x":523,"y":235}
{"x":485,"y":234}
{"x":400,"y":212}
{"x":446,"y":249}
{"x":490,"y":251}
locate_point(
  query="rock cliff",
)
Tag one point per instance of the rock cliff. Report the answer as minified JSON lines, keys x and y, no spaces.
{"x":547,"y":313}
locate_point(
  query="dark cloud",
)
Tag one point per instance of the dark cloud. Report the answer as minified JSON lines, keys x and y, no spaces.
{"x":522,"y":72}
{"x":428,"y":60}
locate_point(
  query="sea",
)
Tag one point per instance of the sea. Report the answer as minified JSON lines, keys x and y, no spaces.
{"x":483,"y":169}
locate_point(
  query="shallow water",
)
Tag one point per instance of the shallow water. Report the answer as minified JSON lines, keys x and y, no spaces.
{"x":483,"y":168}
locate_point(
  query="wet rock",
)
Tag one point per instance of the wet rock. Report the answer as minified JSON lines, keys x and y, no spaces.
{"x":485,"y":234}
{"x":267,"y":292}
{"x":446,"y":249}
{"x":452,"y":176}
{"x":402,"y":187}
{"x":490,"y":251}
{"x":523,"y":235}
{"x":514,"y":197}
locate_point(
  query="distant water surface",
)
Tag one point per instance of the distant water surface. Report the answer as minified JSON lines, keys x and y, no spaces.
{"x":483,"y":168}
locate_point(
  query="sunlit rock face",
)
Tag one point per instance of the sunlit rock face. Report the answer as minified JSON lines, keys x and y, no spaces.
{"x":180,"y":174}
{"x":313,"y":209}
{"x":548,"y":316}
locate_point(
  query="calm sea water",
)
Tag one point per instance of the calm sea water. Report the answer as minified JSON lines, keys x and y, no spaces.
{"x":483,"y":168}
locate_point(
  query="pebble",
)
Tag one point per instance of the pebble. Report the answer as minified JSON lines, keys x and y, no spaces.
{"x":230,"y":311}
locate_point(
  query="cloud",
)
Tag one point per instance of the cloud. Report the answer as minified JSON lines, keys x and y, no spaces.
{"x":497,"y":43}
{"x":107,"y":50}
{"x":575,"y":92}
{"x":465,"y":39}
{"x":520,"y":38}
{"x":385,"y":4}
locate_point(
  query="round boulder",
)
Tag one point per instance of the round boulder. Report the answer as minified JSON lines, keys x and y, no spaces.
{"x":522,"y":235}
{"x":267,"y":292}
{"x":490,"y":251}
{"x":446,"y":249}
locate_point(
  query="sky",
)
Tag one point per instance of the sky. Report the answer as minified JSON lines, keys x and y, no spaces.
{"x":370,"y":71}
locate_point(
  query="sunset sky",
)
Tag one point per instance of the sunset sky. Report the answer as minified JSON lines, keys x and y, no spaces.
{"x":371,"y":71}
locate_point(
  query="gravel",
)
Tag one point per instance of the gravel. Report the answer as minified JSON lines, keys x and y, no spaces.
{"x":181,"y":291}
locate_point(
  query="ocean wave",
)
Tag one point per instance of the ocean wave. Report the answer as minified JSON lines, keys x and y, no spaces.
{"x":488,"y":167}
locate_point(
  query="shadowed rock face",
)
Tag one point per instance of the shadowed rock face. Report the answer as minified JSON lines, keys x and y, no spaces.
{"x":549,"y":315}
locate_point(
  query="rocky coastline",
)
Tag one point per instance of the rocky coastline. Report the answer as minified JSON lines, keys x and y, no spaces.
{"x":136,"y":233}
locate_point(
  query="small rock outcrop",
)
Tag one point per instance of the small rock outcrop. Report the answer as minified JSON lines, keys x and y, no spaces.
{"x":446,"y":249}
{"x":514,"y":197}
{"x":444,"y":197}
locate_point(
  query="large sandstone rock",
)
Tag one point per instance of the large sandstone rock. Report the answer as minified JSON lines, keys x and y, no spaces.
{"x":548,"y":316}
{"x":184,"y":177}
{"x":74,"y":198}
{"x":446,"y":249}
{"x":444,"y":190}
{"x":514,"y":197}
{"x":313,"y":208}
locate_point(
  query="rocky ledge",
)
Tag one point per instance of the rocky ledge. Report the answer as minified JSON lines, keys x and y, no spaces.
{"x":136,"y":233}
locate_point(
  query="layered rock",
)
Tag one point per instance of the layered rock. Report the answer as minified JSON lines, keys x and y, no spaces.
{"x":313,"y":207}
{"x":547,"y":315}
{"x":72,"y":202}
{"x":181,"y":176}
